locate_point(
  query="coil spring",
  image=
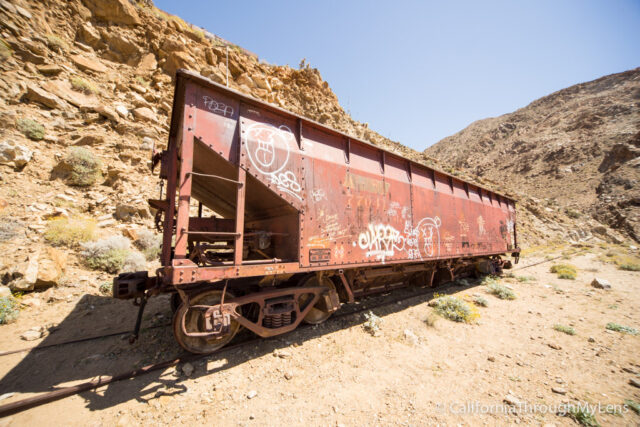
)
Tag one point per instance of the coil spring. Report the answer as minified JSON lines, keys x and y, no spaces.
{"x":277,"y":320}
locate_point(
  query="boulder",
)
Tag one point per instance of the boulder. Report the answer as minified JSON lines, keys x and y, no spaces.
{"x":107,"y":112}
{"x":145,"y":114}
{"x":122,"y":111}
{"x":90,"y":140}
{"x":89,"y":64}
{"x":89,"y":35}
{"x":49,"y":69}
{"x":43,"y":97}
{"x":262,"y":82}
{"x":114,"y":11}
{"x":600,"y":283}
{"x":62,"y":88}
{"x":244,"y":79}
{"x":128,"y":212}
{"x":147,"y":64}
{"x":14,"y":154}
{"x":177,"y":60}
{"x":5,"y":292}
{"x":51,"y":266}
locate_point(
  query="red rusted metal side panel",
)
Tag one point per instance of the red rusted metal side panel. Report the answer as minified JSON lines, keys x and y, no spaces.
{"x":357,"y":204}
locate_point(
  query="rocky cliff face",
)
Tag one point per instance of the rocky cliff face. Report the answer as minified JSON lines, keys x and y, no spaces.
{"x":576,"y":150}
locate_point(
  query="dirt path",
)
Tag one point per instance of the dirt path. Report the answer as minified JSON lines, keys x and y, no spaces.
{"x":338,"y":374}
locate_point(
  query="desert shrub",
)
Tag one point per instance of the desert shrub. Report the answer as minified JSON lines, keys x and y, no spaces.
{"x":9,"y":228}
{"x":621,"y":328}
{"x":481,"y":301}
{"x":31,"y":129}
{"x":500,"y":291}
{"x":106,"y":288}
{"x":149,"y":243}
{"x":524,"y":279}
{"x":70,"y":232}
{"x":56,"y":43}
{"x":5,"y":50}
{"x":633,"y":405}
{"x":141,"y":81}
{"x":487,"y":280}
{"x":8,"y":310}
{"x":564,"y":271}
{"x":581,"y":415}
{"x":107,"y":254}
{"x":565,"y":329}
{"x":134,"y":261}
{"x":82,"y":85}
{"x":572,"y":214}
{"x":372,"y":324}
{"x":83,"y":166}
{"x":455,"y":308}
{"x":431,"y":319}
{"x":629,"y":267}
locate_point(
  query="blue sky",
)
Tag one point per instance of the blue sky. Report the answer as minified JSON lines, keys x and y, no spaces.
{"x":418,"y":71}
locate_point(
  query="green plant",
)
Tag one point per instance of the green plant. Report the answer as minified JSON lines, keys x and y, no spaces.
{"x":525,"y":279}
{"x":31,"y":129}
{"x":9,"y":228}
{"x":629,"y":267}
{"x":149,"y":243}
{"x":478,"y":300}
{"x":455,"y":308}
{"x":70,"y":232}
{"x":198,"y":34}
{"x":501,"y":291}
{"x":8,"y":310}
{"x":82,"y":85}
{"x":431,"y":319}
{"x":565,"y":329}
{"x":83,"y":166}
{"x":56,"y":43}
{"x":635,"y":406}
{"x":564,"y":271}
{"x":572,"y":214}
{"x":141,"y":81}
{"x":106,"y":288}
{"x":621,"y":328}
{"x":5,"y":50}
{"x":581,"y":415}
{"x":108,"y":254}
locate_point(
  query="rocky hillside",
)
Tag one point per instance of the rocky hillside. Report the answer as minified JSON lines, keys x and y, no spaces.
{"x":575,"y":151}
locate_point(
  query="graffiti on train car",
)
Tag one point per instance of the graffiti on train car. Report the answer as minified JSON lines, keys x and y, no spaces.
{"x":217,"y":107}
{"x":263,"y":142}
{"x":384,"y":240}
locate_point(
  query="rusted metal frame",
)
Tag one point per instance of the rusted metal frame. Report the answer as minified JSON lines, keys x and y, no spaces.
{"x":450,"y":183}
{"x":382,"y":162}
{"x":261,"y":298}
{"x":466,"y":189}
{"x":170,"y":203}
{"x":433,"y":177}
{"x":240,"y":195}
{"x":212,"y":233}
{"x":186,"y":166}
{"x":178,"y":275}
{"x":206,"y":175}
{"x":347,"y":286}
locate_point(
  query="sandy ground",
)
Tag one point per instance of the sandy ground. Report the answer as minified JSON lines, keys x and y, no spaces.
{"x":338,"y":374}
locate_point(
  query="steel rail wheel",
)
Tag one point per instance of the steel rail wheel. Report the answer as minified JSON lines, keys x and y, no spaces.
{"x":194,"y":322}
{"x":320,"y":312}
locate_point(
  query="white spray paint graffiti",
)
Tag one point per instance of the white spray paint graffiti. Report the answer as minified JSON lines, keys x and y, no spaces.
{"x":318,"y":194}
{"x":217,"y":106}
{"x":263,"y":142}
{"x":383,"y":240}
{"x":481,"y":230}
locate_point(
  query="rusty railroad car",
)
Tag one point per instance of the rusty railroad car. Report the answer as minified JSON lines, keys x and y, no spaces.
{"x":270,"y":219}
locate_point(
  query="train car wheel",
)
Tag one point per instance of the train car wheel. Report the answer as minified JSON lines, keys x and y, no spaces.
{"x":194,"y":322}
{"x":320,"y":312}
